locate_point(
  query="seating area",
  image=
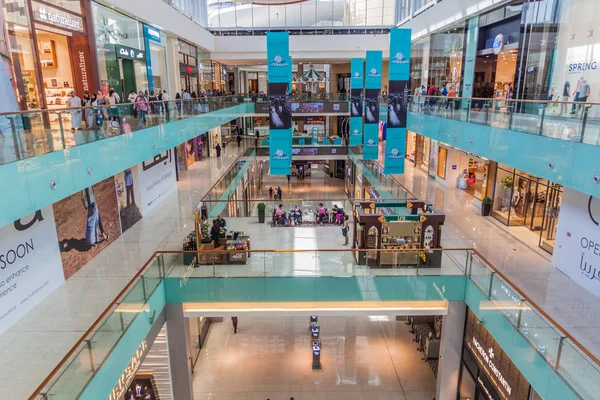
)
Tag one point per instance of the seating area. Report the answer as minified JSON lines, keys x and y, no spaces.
{"x":306,"y":217}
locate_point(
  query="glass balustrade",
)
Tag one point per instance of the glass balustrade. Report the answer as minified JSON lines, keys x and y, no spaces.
{"x":180,"y":269}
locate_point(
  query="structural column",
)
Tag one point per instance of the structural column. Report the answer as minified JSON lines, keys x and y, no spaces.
{"x":179,"y":359}
{"x":451,"y":343}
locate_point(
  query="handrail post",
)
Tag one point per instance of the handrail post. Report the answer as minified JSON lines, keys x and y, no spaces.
{"x":144,"y":288}
{"x":62,"y":131}
{"x":14,"y":135}
{"x":520,"y":315}
{"x":162,"y":274}
{"x":489,"y":294}
{"x":583,"y":123}
{"x":469,"y":263}
{"x":469,"y":104}
{"x":541,"y":131}
{"x":88,"y":344}
{"x":561,"y":342}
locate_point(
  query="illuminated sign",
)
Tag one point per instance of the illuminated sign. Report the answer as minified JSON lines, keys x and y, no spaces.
{"x":129,"y":374}
{"x":56,"y":17}
{"x":130,"y":53}
{"x":152,"y":33}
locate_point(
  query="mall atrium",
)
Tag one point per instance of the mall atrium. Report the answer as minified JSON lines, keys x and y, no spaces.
{"x":300,"y":199}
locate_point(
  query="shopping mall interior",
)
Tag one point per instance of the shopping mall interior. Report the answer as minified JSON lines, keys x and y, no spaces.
{"x":299,"y":199}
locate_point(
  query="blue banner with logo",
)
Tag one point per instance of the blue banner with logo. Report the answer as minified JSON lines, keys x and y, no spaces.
{"x":279,"y":71}
{"x":399,"y":73}
{"x":372,"y":98}
{"x":356,"y":101}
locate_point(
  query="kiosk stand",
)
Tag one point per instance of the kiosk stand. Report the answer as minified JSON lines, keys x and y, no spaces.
{"x":394,"y":234}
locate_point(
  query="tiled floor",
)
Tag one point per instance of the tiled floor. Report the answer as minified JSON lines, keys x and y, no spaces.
{"x":34,"y":345}
{"x":63,"y":317}
{"x":270,"y":358}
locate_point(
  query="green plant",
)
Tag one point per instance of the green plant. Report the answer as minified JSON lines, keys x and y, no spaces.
{"x":487,"y":200}
{"x":261,"y":206}
{"x":507,"y":182}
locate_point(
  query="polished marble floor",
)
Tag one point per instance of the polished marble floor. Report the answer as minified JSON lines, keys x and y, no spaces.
{"x":65,"y":315}
{"x":270,"y":358}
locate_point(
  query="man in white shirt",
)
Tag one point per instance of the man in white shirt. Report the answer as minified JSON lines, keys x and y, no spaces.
{"x":166,"y":98}
{"x":187,"y":104}
{"x":131,"y":99}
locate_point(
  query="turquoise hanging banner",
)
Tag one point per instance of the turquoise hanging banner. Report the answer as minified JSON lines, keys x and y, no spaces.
{"x":279,"y":67}
{"x":356,"y":101}
{"x":371,"y":114}
{"x":399,"y":72}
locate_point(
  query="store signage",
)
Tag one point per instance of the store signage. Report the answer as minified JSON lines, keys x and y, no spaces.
{"x":498,"y":43}
{"x":128,"y":375}
{"x":131,"y":53}
{"x":488,"y":359}
{"x":577,"y":247}
{"x":57,"y":17}
{"x":188,"y":69}
{"x":157,"y":180}
{"x":152,"y":33}
{"x":580,"y":67}
{"x":485,"y":389}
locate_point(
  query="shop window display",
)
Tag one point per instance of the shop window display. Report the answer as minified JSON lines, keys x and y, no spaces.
{"x":521,"y":199}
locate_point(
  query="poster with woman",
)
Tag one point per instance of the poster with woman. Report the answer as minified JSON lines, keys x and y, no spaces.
{"x":86,"y":223}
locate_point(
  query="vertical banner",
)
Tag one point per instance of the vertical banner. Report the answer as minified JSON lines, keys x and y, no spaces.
{"x":399,"y":73}
{"x":372,"y":89}
{"x":279,"y":67}
{"x":470,"y":56}
{"x":356,"y":101}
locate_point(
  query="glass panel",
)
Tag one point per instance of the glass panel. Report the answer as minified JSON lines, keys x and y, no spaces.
{"x":111,"y":27}
{"x":481,"y":274}
{"x":582,"y":374}
{"x":503,"y":195}
{"x":544,"y":338}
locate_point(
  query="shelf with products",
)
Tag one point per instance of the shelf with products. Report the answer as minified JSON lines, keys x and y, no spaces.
{"x":241,"y":246}
{"x":400,"y":235}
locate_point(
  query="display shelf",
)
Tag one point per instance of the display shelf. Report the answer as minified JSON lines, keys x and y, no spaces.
{"x":241,"y":246}
{"x":400,"y":235}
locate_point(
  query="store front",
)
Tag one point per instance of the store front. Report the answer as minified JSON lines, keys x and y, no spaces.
{"x":47,"y":56}
{"x":156,"y":59}
{"x":521,"y":199}
{"x":188,"y":67}
{"x":121,"y":52}
{"x":411,"y":145}
{"x":422,"y":152}
{"x":467,"y":171}
{"x":487,"y":373}
{"x":446,"y":57}
{"x":497,"y":56}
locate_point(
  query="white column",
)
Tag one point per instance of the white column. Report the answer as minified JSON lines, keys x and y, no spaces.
{"x":179,"y":359}
{"x":453,"y":326}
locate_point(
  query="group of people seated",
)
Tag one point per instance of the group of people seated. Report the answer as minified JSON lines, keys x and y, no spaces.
{"x":295,"y":216}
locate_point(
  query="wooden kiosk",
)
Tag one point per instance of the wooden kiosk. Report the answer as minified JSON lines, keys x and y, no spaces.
{"x":405,"y":229}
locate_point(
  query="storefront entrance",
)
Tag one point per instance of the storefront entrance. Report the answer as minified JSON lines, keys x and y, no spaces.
{"x":525,"y":200}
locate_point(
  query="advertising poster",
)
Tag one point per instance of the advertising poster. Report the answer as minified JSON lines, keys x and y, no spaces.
{"x":356,"y":101}
{"x":399,"y":73}
{"x":371,"y":114}
{"x":157,"y":180}
{"x":86,"y":223}
{"x":577,"y":247}
{"x":128,"y":196}
{"x":279,"y":71}
{"x":30,"y":265}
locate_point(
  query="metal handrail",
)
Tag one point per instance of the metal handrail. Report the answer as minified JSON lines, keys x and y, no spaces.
{"x":59,"y":367}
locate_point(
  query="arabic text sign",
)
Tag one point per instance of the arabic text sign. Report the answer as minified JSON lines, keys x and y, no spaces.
{"x":156,"y":180}
{"x":577,"y":247}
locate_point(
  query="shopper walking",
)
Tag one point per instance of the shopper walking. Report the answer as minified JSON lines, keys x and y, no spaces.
{"x":141,"y":105}
{"x":178,"y":103}
{"x":345,"y":230}
{"x":279,"y":192}
{"x":215,"y":233}
{"x":234,"y":321}
{"x":89,"y":110}
{"x":289,"y":178}
{"x":131,"y":99}
{"x":74,"y":105}
{"x":271,"y":192}
{"x":167,"y":105}
{"x":239,"y":139}
{"x":113,"y":110}
{"x":100,"y":109}
{"x":218,"y":150}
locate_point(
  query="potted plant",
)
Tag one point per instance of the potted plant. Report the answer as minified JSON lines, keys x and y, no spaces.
{"x":261,"y":213}
{"x":486,"y":206}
